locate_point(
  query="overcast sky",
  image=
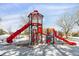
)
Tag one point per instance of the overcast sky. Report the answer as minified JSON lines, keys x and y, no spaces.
{"x":11,"y":13}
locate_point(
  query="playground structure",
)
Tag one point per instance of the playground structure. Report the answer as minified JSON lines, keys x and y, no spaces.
{"x":35,"y":25}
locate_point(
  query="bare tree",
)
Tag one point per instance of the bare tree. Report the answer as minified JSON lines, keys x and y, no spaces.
{"x":76,"y":17}
{"x":1,"y":28}
{"x":9,"y":30}
{"x":24,"y":21}
{"x":66,"y":22}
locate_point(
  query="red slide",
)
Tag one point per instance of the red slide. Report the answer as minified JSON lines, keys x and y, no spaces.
{"x":57,"y":36}
{"x":68,"y":42}
{"x":12,"y":36}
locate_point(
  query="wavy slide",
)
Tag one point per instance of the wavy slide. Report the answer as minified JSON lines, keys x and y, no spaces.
{"x":60,"y":38}
{"x":63,"y":39}
{"x":12,"y":36}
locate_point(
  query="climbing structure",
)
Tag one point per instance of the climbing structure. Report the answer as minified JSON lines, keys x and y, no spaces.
{"x":36,"y":23}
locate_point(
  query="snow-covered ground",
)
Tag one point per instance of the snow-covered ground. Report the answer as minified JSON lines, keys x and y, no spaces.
{"x":69,"y":50}
{"x":38,"y":50}
{"x":42,"y":50}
